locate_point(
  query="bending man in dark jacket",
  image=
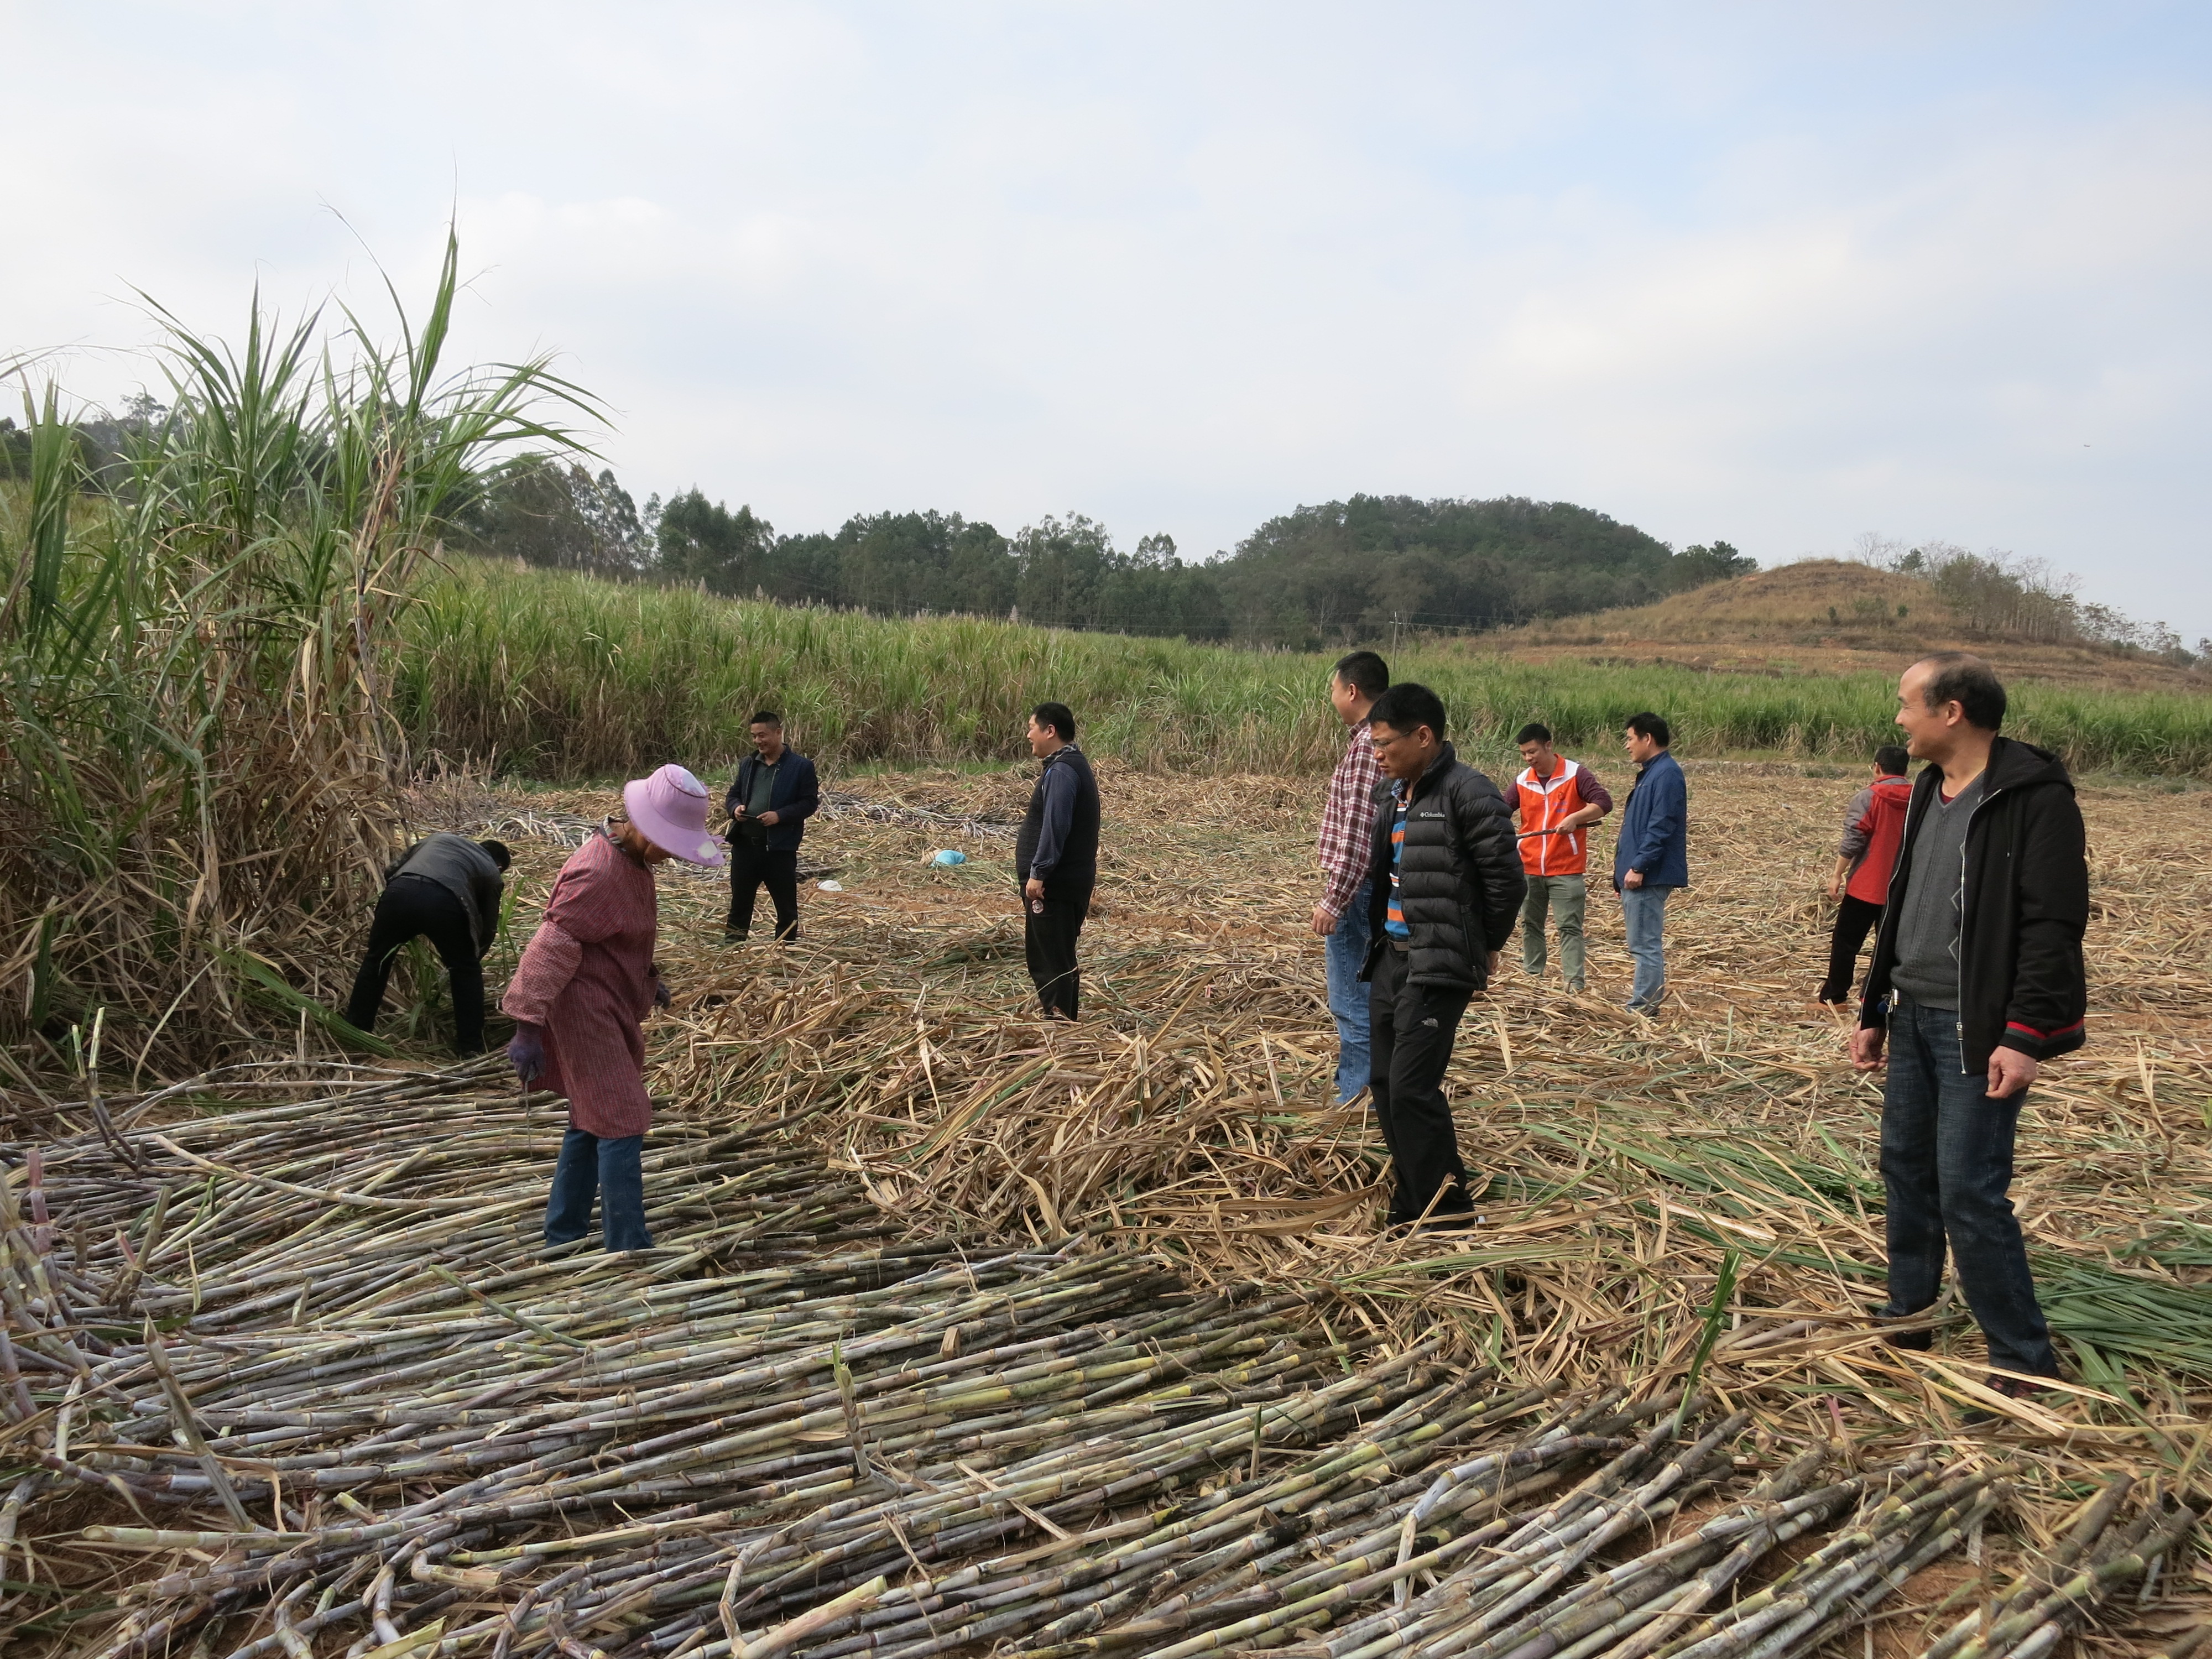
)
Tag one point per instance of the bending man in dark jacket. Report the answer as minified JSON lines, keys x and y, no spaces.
{"x":1056,"y":859}
{"x":1447,"y":889}
{"x":774,"y":793}
{"x":448,"y":890}
{"x":1976,"y":981}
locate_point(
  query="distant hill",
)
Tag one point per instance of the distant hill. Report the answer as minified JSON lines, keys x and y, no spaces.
{"x":1833,"y":617}
{"x":1367,"y":567}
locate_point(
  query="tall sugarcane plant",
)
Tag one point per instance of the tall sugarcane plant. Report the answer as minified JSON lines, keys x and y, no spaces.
{"x":201,"y":761}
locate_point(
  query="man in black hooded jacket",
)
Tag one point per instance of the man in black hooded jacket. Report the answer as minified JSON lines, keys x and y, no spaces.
{"x":1447,"y":887}
{"x":1976,"y":979}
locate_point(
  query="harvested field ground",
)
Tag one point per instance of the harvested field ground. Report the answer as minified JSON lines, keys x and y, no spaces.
{"x":837,"y":1112}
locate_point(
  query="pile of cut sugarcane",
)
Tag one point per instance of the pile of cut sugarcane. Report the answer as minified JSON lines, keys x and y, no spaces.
{"x":302,"y":1380}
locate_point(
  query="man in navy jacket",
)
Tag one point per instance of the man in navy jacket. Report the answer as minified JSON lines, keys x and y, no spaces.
{"x":769,"y":804}
{"x":1651,"y":857}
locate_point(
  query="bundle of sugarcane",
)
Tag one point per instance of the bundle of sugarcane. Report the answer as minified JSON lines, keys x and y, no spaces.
{"x":2061,"y":1590}
{"x":314,"y":1347}
{"x":1189,"y":1119}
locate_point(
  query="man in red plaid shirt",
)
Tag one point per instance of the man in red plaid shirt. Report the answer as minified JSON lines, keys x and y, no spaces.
{"x":1347,"y":830}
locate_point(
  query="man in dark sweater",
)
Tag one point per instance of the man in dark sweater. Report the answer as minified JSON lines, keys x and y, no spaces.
{"x":1056,"y":859}
{"x":775,"y":793}
{"x":448,"y":890}
{"x":1976,"y":981}
{"x":1448,"y":887}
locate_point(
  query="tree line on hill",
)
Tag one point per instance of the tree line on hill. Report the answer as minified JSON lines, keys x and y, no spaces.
{"x":1371,"y":567}
{"x":1368,"y":568}
{"x":1996,"y":596}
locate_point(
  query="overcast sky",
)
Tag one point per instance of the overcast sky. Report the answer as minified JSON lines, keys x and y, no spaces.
{"x":1773,"y":275}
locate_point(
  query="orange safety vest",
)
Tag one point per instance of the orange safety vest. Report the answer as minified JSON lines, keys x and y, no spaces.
{"x":1544,"y":802}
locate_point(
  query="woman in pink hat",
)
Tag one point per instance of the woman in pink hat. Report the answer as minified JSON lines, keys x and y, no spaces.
{"x":581,"y":993}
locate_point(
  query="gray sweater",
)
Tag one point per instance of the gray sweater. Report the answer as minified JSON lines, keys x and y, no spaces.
{"x":1928,"y":913}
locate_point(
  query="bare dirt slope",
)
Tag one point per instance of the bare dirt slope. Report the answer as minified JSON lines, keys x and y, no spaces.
{"x":1825,"y":617}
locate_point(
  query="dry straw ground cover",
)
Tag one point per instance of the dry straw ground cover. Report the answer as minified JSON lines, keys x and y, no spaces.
{"x":965,"y":1332}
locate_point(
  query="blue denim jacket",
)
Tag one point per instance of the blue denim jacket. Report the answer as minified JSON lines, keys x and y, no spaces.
{"x":1655,"y":828}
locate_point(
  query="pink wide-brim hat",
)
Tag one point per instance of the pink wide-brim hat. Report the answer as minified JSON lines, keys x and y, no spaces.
{"x":670,"y":809}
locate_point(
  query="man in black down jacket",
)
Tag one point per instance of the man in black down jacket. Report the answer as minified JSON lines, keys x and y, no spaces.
{"x":1976,"y":981}
{"x":1447,"y":886}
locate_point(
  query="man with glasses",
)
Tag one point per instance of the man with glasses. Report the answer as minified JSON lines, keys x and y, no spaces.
{"x":1447,"y":888}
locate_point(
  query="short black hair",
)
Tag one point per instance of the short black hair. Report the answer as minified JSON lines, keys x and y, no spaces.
{"x":1535,"y":731}
{"x":500,"y":855}
{"x":1406,"y":707}
{"x":766,"y":717}
{"x":1654,"y":726}
{"x":1890,"y":760}
{"x":1962,"y":677}
{"x":1058,"y":716}
{"x":1364,"y":673}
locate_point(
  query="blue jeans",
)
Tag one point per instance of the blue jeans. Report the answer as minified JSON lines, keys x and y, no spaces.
{"x":1347,"y":997}
{"x":1945,"y":1162}
{"x":1644,"y":911}
{"x":608,"y":1170}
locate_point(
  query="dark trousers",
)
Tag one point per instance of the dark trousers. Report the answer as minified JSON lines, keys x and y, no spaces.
{"x":1409,"y":1036}
{"x":414,"y":906}
{"x":752,"y":864}
{"x":1946,"y":1161}
{"x":1855,"y":919}
{"x":610,"y":1170}
{"x":1050,"y":928}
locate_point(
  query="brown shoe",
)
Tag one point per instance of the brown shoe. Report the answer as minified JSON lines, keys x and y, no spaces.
{"x":2012,"y":1388}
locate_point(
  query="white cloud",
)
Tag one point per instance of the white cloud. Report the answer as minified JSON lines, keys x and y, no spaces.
{"x":1722,"y":273}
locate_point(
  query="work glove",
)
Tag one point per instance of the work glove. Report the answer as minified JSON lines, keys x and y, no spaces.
{"x":528,"y":1053}
{"x":660,"y":997}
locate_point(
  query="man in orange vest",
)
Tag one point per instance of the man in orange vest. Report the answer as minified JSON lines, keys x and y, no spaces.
{"x":1557,"y":800}
{"x":1873,"y":829}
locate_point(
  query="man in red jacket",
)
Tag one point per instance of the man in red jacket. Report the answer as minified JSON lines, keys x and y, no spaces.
{"x":1977,"y":981}
{"x":1874,"y":825}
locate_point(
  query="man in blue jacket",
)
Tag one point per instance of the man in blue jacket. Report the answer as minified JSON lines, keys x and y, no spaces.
{"x":1651,"y":857}
{"x":769,"y":804}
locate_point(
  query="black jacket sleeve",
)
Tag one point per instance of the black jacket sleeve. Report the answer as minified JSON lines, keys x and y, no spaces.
{"x":2045,"y":1012}
{"x":736,"y":790}
{"x":1486,"y":842}
{"x":488,"y":887}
